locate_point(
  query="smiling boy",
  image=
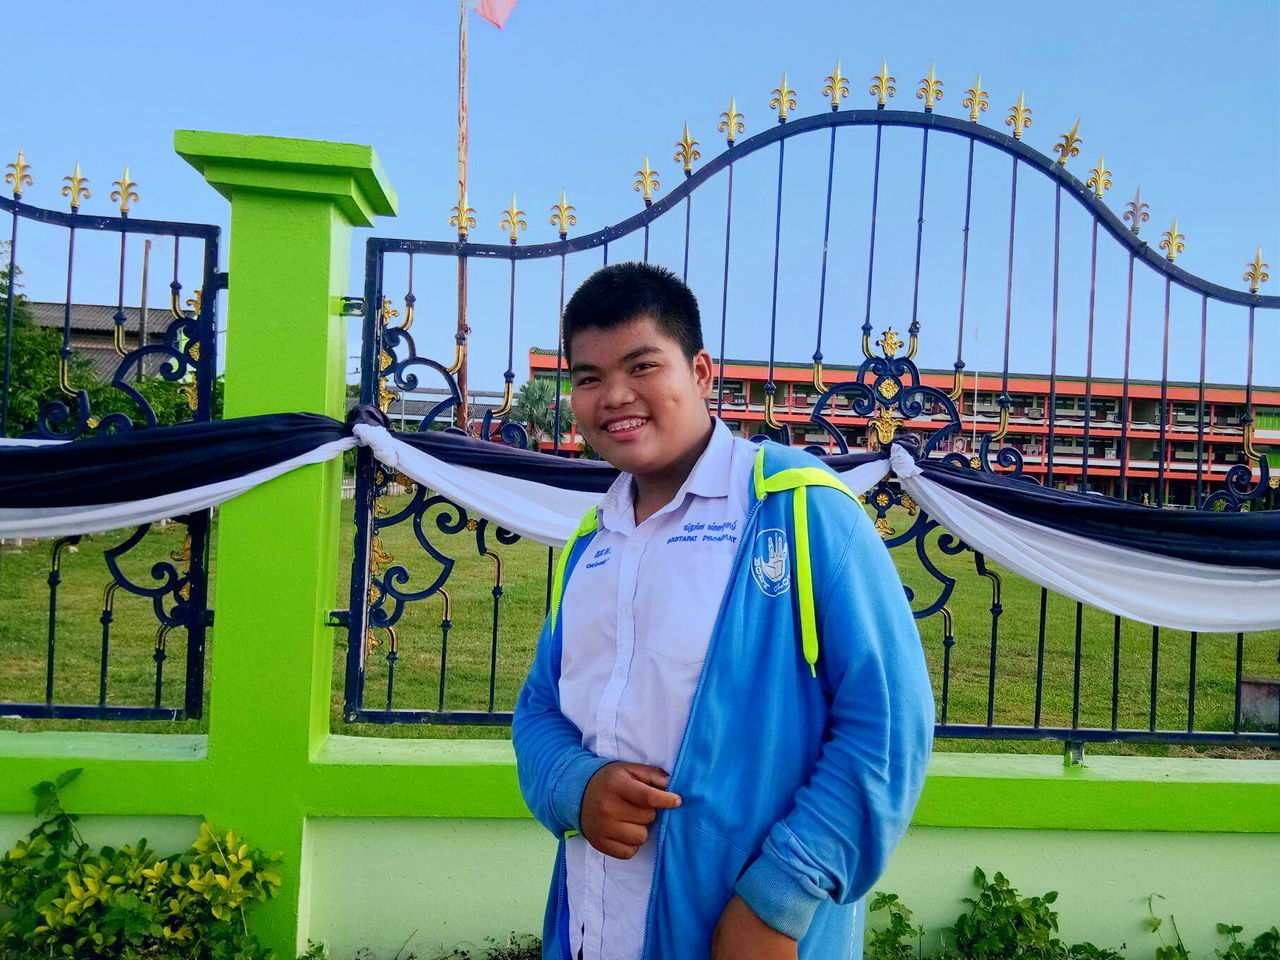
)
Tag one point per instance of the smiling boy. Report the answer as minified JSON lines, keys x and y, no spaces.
{"x":729,"y":715}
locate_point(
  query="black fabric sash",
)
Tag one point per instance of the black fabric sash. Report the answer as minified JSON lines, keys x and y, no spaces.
{"x":142,"y":464}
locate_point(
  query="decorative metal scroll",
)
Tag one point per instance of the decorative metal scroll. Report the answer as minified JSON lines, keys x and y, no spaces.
{"x":185,"y":354}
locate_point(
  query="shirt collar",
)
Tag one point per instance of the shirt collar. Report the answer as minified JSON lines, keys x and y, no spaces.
{"x":710,"y":477}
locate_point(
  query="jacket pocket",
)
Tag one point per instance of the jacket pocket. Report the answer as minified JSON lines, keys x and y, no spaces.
{"x":695,"y":883}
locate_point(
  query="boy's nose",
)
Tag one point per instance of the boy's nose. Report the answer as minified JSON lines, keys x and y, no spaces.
{"x":618,"y":395}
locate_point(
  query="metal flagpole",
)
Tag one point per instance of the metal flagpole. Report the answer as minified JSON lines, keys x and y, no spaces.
{"x":142,"y":308}
{"x":463,"y":330}
{"x":974,"y":442}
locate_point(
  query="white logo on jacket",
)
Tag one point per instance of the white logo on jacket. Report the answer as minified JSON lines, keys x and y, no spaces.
{"x":771,"y":562}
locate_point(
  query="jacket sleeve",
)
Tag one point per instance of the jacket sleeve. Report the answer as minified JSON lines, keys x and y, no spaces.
{"x":551,"y":763}
{"x":859,"y":799}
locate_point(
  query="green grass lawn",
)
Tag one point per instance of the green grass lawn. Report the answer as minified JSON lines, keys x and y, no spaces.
{"x":24,"y":596}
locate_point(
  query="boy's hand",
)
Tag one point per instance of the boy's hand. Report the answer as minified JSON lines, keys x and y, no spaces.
{"x":741,"y":935}
{"x":620,"y":802}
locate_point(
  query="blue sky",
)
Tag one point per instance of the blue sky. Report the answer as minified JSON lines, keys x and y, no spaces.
{"x":1181,"y":97}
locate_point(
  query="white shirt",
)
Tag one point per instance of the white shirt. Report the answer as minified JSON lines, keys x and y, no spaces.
{"x":638,"y":613}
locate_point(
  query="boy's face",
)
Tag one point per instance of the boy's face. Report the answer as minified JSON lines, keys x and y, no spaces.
{"x":636,"y":398}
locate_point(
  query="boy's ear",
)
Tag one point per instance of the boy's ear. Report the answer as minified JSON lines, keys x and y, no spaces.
{"x":703,"y":371}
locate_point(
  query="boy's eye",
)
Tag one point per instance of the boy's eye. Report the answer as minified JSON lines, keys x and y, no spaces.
{"x":584,"y":381}
{"x":641,"y":367}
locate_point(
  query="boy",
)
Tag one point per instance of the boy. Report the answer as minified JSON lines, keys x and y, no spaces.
{"x":729,"y":715}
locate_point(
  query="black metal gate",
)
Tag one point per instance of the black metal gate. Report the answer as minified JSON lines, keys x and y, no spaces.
{"x":180,"y":351}
{"x":883,"y":393}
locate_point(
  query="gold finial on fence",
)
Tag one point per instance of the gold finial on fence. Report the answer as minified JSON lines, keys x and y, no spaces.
{"x":930,"y":90}
{"x":385,"y":395}
{"x":513,"y":221}
{"x":1137,"y":212}
{"x":784,"y":99}
{"x":386,"y":315}
{"x":1099,"y":179}
{"x":647,"y":181}
{"x":882,"y":85}
{"x":882,"y":428}
{"x":1173,"y":242}
{"x":1019,"y":116}
{"x":77,"y":187}
{"x":889,"y":342}
{"x":1256,"y":272}
{"x":124,"y":192}
{"x":562,"y":217}
{"x":462,"y":216}
{"x":1069,"y":145}
{"x":686,"y":152}
{"x":837,"y":86}
{"x":731,"y":122}
{"x":190,"y":393}
{"x":975,"y":98}
{"x":20,"y":176}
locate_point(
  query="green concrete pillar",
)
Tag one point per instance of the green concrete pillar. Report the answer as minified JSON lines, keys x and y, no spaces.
{"x":293,"y":206}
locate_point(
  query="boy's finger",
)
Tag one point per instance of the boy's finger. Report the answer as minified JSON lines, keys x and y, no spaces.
{"x":643,"y":795}
{"x":630,"y":834}
{"x":619,"y":851}
{"x":645,"y":773}
{"x":633,"y":813}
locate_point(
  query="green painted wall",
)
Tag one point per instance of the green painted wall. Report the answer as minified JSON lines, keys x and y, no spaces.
{"x":436,"y":883}
{"x":163,"y":834}
{"x":429,"y":840}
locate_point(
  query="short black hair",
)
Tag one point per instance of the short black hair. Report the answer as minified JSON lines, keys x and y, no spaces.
{"x":627,"y":291}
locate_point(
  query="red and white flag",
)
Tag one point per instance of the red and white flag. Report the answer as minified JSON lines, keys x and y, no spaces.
{"x":495,"y":11}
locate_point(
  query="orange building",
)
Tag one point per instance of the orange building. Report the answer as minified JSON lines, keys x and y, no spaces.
{"x":1197,"y":450}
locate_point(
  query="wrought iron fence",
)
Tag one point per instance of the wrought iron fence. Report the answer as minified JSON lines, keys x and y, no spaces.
{"x":113,"y":369}
{"x":882,"y":396}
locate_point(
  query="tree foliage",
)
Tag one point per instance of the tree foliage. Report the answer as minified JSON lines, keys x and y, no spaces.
{"x":33,"y":378}
{"x":535,"y":407}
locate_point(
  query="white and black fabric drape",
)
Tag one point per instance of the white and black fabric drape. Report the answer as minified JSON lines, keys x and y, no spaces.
{"x":1188,"y":570}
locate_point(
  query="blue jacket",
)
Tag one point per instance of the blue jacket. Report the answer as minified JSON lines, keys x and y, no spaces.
{"x":800,"y":765}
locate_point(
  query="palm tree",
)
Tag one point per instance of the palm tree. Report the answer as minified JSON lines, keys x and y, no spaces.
{"x":535,"y":407}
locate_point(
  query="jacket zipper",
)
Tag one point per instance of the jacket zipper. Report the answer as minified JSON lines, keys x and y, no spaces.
{"x":562,"y":905}
{"x":697,"y":691}
{"x":564,"y":941}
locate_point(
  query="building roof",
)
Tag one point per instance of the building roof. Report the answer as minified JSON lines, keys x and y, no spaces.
{"x":95,"y":316}
{"x":948,"y":374}
{"x":418,"y":404}
{"x":92,"y":325}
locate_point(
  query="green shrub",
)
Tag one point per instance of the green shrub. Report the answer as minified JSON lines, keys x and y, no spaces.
{"x":1266,"y":945}
{"x":128,"y":903}
{"x":513,"y":947}
{"x":1000,"y":925}
{"x":889,"y":943}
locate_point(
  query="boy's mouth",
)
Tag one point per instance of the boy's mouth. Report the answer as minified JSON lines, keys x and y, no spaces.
{"x":622,"y":428}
